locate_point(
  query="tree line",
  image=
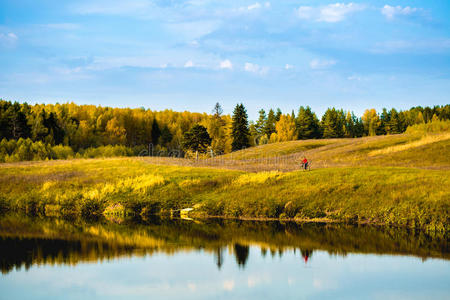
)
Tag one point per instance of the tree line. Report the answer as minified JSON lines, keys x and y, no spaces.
{"x":66,"y":130}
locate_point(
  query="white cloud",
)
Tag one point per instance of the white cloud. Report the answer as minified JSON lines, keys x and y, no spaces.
{"x":321,"y":64}
{"x":8,"y":39}
{"x":228,"y":285}
{"x":252,"y":282}
{"x":192,"y":287}
{"x":305,"y":12}
{"x":254,"y":6}
{"x":12,"y":36}
{"x":288,"y":66}
{"x":189,"y":64}
{"x":254,"y":68}
{"x":226,"y":64}
{"x":329,"y":13}
{"x":391,"y":11}
{"x":337,"y":12}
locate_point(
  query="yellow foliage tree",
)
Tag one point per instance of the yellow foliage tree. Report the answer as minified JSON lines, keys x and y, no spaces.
{"x":285,"y":128}
{"x":371,"y":121}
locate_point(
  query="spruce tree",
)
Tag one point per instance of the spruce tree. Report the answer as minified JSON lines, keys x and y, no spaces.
{"x":269,"y":127}
{"x":307,"y":124}
{"x":261,"y":123}
{"x":240,"y":132}
{"x":156,"y":132}
{"x":393,"y":125}
{"x":333,"y":123}
{"x":278,"y":115}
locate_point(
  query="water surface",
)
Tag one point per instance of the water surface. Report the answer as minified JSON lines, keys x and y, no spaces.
{"x":173,"y":259}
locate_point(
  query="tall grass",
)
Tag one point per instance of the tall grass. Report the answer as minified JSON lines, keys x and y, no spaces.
{"x":425,"y":140}
{"x":380,"y":195}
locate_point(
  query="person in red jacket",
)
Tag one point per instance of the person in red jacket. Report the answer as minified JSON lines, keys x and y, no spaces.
{"x":305,"y":163}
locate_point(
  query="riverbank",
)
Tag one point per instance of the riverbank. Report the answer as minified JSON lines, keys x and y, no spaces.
{"x":407,"y":197}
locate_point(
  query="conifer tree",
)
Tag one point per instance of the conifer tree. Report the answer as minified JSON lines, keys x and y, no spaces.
{"x":240,"y":131}
{"x":333,"y":123}
{"x":197,"y":139}
{"x":261,"y":122}
{"x":156,"y":132}
{"x":278,"y":115}
{"x":217,"y":130}
{"x":269,"y":127}
{"x":307,"y":124}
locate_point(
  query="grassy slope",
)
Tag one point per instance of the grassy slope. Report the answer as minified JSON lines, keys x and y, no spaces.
{"x":378,"y":184}
{"x":406,"y":150}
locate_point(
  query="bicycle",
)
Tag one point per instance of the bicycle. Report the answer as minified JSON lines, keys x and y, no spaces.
{"x":308,"y":166}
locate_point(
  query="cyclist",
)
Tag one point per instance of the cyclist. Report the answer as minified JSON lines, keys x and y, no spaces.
{"x":305,"y":163}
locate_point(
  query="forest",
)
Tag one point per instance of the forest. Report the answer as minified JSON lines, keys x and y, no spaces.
{"x":61,"y":131}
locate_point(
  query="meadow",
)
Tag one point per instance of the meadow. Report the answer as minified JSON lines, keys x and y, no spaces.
{"x":398,"y":180}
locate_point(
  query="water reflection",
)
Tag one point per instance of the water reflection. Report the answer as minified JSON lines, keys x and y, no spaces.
{"x":25,"y":241}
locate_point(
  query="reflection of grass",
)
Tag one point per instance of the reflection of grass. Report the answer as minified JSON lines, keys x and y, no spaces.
{"x":54,"y":241}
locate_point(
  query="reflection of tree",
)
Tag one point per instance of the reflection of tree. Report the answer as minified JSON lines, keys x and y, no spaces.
{"x":28,"y":241}
{"x":306,"y":254}
{"x":219,"y":257}
{"x":241,"y":253}
{"x":24,"y":252}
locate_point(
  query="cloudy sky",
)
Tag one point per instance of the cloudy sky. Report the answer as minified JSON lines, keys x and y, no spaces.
{"x":187,"y":55}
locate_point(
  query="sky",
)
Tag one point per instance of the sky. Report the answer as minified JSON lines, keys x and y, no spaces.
{"x":188,"y":55}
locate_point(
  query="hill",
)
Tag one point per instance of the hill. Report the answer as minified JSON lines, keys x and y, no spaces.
{"x":395,"y":180}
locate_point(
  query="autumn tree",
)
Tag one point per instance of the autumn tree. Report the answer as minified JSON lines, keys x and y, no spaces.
{"x":371,"y":122}
{"x":217,"y":130}
{"x":285,"y":129}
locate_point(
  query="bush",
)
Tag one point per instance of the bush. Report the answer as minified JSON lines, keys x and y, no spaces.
{"x":434,"y":126}
{"x":62,"y":152}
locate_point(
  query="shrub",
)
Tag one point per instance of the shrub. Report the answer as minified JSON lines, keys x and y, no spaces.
{"x":433,"y":126}
{"x":62,"y":152}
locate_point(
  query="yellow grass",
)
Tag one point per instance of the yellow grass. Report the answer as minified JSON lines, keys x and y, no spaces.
{"x":428,"y":139}
{"x":257,"y":178}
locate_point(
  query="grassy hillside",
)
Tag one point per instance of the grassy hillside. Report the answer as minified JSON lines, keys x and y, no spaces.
{"x":397,"y":179}
{"x":406,"y":150}
{"x":382,"y":195}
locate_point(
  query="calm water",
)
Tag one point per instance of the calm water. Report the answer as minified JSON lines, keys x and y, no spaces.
{"x":173,"y":259}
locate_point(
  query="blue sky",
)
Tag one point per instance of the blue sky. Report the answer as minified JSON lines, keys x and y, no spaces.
{"x":187,"y":55}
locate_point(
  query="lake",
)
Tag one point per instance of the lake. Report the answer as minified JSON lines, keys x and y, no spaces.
{"x":44,"y":258}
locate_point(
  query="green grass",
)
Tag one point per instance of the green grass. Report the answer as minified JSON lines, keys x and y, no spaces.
{"x":281,"y":148}
{"x":396,"y":180}
{"x":381,"y":195}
